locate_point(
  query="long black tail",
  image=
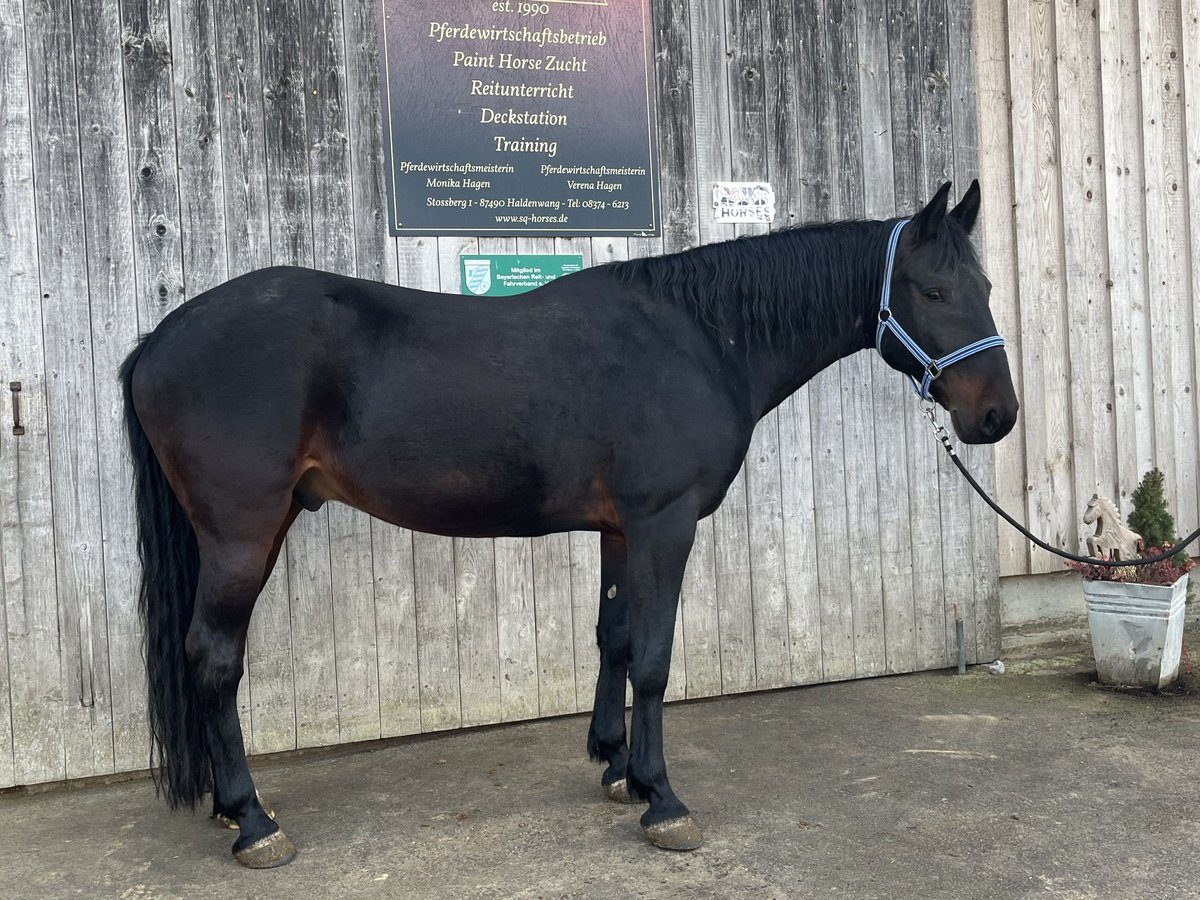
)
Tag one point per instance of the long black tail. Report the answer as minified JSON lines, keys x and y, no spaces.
{"x":170,"y":567}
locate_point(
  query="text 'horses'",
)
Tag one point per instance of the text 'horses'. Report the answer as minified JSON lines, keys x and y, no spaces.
{"x":620,"y":400}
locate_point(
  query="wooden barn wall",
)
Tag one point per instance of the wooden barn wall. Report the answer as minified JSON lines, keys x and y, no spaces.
{"x":1090,"y":153}
{"x":154,"y":148}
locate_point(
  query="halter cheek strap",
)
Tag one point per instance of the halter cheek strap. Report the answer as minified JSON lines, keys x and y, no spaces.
{"x":887,"y":323}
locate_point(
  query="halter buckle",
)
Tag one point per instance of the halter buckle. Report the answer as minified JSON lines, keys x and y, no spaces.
{"x":884,"y":315}
{"x":932,"y":370}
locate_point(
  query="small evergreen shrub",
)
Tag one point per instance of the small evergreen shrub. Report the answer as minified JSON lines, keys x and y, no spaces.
{"x":1150,"y":517}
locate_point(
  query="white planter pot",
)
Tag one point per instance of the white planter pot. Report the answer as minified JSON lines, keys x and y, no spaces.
{"x":1137,"y":631}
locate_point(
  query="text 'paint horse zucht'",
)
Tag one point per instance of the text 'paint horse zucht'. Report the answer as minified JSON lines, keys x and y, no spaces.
{"x":620,"y":400}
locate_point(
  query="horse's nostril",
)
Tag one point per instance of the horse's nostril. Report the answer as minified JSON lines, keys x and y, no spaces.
{"x":991,"y":422}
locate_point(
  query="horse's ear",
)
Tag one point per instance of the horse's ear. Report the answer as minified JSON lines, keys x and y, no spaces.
{"x":930,"y":218}
{"x":967,"y":210}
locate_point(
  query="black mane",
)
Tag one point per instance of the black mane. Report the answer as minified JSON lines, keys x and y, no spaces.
{"x":804,"y":281}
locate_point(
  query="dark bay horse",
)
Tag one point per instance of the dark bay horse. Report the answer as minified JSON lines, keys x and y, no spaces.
{"x":620,"y":400}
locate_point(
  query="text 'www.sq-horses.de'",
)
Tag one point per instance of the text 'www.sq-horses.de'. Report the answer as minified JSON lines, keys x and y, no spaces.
{"x":620,"y":399}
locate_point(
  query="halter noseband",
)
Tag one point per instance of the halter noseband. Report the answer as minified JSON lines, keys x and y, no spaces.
{"x":887,"y":322}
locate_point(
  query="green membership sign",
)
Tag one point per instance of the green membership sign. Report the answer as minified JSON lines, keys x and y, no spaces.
{"x":503,"y":275}
{"x":512,"y":117}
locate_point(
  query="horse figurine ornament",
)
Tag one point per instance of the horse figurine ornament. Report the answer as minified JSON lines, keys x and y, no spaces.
{"x":620,"y":399}
{"x":1112,"y":539}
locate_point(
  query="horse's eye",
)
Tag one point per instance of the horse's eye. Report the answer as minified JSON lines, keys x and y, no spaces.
{"x":933,"y":296}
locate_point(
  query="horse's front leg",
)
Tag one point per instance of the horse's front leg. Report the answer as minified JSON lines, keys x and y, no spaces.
{"x":657,"y":555}
{"x":606,"y":736}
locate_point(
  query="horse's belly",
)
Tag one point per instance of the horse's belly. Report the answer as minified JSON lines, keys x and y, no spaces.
{"x":467,"y":501}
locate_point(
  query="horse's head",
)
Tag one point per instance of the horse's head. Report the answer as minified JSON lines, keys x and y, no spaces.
{"x":939,"y":296}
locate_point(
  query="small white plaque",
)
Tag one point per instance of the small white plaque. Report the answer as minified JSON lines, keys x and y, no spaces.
{"x":743,"y":201}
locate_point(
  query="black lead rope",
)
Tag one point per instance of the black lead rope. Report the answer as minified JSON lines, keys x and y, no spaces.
{"x":943,"y":435}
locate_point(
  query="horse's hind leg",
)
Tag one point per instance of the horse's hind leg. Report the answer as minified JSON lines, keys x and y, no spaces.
{"x":219,"y":808}
{"x":231,"y":575}
{"x":606,"y":736}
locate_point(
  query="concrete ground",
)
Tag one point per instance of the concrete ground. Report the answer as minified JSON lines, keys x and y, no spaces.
{"x":1034,"y":783}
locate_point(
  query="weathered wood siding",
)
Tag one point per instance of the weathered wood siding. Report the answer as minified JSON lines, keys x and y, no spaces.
{"x":153,"y":148}
{"x":1089,"y":118}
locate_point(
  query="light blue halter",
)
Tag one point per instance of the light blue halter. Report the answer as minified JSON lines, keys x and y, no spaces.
{"x":887,"y":323}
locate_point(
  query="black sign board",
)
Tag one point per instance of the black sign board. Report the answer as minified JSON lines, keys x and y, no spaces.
{"x":507,"y":117}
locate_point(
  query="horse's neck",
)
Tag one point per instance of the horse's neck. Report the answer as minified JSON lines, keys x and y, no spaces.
{"x":834,"y":317}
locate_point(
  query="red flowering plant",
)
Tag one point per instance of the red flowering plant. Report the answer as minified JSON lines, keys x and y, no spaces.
{"x":1165,"y":572}
{"x":1151,"y":519}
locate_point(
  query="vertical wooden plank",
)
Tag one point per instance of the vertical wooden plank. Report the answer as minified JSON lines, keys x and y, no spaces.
{"x":703,"y":645}
{"x":269,"y":677}
{"x":799,"y":521}
{"x":1050,"y":501}
{"x":31,"y":719}
{"x":555,"y":636}
{"x":7,"y":758}
{"x":434,"y":572}
{"x":396,"y":630}
{"x":907,"y":84}
{"x":71,"y":399}
{"x":783,"y":83}
{"x":938,"y":166}
{"x":1189,"y":63}
{"x":150,"y":109}
{"x":475,"y":574}
{"x":391,"y":548}
{"x":984,"y":561}
{"x":585,"y":603}
{"x":291,"y":219}
{"x":555,"y":633}
{"x":243,"y":145}
{"x":584,"y":562}
{"x":733,"y":635}
{"x":731,"y":561}
{"x":114,"y":328}
{"x":516,"y":626}
{"x":199,"y":139}
{"x":398,"y":590}
{"x":1167,"y":242}
{"x":201,"y":191}
{"x":153,"y":179}
{"x":355,"y":641}
{"x":437,"y":631}
{"x":1120,"y":68}
{"x":376,"y":251}
{"x":764,"y":517}
{"x":999,"y":254}
{"x":695,"y":667}
{"x":865,"y":581}
{"x":820,"y":143}
{"x":35,"y":690}
{"x":890,"y":392}
{"x":1085,"y":275}
{"x":478,"y":639}
{"x":699,"y":618}
{"x":516,"y":629}
{"x":314,"y":663}
{"x":333,"y":221}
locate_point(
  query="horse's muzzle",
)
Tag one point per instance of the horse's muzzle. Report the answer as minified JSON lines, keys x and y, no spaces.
{"x":992,"y":422}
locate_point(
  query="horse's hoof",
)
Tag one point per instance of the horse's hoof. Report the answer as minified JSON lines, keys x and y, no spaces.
{"x":675,"y":834}
{"x":618,"y":791}
{"x":225,"y":822}
{"x":267,"y":853}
